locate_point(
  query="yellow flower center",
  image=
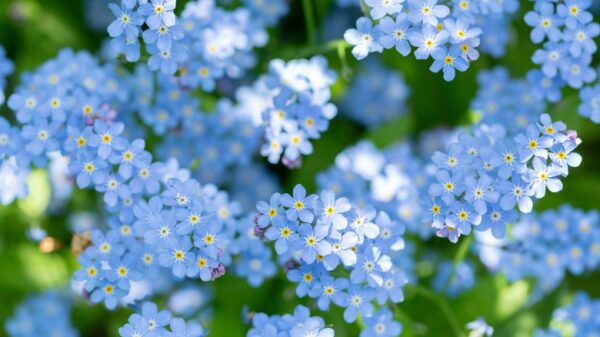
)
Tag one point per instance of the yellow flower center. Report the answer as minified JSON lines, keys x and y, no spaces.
{"x":108,"y":289}
{"x":106,"y":138}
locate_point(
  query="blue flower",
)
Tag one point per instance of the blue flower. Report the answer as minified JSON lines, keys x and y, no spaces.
{"x":533,"y":144}
{"x":577,"y":72}
{"x":163,"y":36}
{"x":428,"y":41}
{"x":381,"y":324}
{"x":542,"y":176}
{"x":380,"y":8}
{"x":550,"y":57}
{"x":391,"y":288}
{"x":515,"y":193}
{"x":364,"y":38}
{"x":312,"y":242}
{"x":545,"y":23}
{"x":105,"y":137}
{"x":166,"y":60}
{"x":574,"y":12}
{"x":359,"y":301}
{"x":256,"y":265}
{"x":462,"y":217}
{"x":370,"y":267}
{"x":108,"y":293}
{"x":128,"y":22}
{"x":362,"y":222}
{"x":480,"y":192}
{"x":299,"y":205}
{"x":426,"y":11}
{"x":342,"y":250}
{"x":176,"y":255}
{"x":129,"y":46}
{"x":158,"y":12}
{"x":590,"y":103}
{"x":449,"y":61}
{"x":460,"y":31}
{"x":331,"y":210}
{"x":582,"y":39}
{"x":41,"y":136}
{"x":180,"y":329}
{"x":329,"y":289}
{"x":448,"y":187}
{"x":129,"y":156}
{"x":395,"y":33}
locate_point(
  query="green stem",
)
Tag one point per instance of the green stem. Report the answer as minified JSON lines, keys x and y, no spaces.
{"x":341,"y":49}
{"x":313,"y":50}
{"x":309,"y":21}
{"x":442,"y":304}
{"x":463,"y":249}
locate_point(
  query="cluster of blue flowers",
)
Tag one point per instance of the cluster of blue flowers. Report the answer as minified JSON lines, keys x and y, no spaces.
{"x":6,"y":68}
{"x":45,"y":314}
{"x":484,"y":175}
{"x":336,"y":251}
{"x":155,"y":21}
{"x":213,"y":145}
{"x":449,"y":37}
{"x":393,"y":180}
{"x":158,"y":215}
{"x":152,"y":322}
{"x":300,"y":324}
{"x":579,"y":319}
{"x":292,"y":103}
{"x":514,"y":103}
{"x":376,"y":95}
{"x":566,"y":32}
{"x":204,"y":44}
{"x":546,"y":246}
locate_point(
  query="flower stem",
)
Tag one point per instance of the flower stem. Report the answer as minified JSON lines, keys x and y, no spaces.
{"x":309,"y":21}
{"x":442,"y":304}
{"x":461,"y":254}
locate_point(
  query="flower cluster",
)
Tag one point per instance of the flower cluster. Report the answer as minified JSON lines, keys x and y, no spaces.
{"x":393,"y":180}
{"x":6,"y":68}
{"x":483,"y":176}
{"x":336,"y":252}
{"x":220,"y":42}
{"x":212,"y":144}
{"x":296,"y":325}
{"x":566,"y":32}
{"x":514,"y":103}
{"x":151,"y":322}
{"x":204,"y":44}
{"x":545,"y":246}
{"x":155,"y":21}
{"x":42,"y":314}
{"x":450,"y":38}
{"x":579,"y":318}
{"x":157,"y":215}
{"x":292,"y":103}
{"x":376,"y":96}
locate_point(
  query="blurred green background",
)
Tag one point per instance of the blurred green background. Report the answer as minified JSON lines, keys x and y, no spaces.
{"x":33,"y":31}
